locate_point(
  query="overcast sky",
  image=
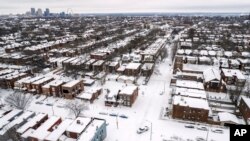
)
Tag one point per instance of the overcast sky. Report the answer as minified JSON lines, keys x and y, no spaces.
{"x":109,"y":6}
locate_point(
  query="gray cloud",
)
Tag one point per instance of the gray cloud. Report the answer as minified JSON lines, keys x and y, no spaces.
{"x":96,"y":6}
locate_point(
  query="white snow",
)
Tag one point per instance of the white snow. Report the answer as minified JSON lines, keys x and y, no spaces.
{"x":78,"y":125}
{"x":191,"y":102}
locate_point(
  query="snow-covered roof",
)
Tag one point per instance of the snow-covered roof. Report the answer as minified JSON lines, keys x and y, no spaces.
{"x":228,"y":117}
{"x":112,"y":64}
{"x":33,"y":79}
{"x":71,"y":83}
{"x":190,"y":92}
{"x":6,"y":119}
{"x":191,"y":102}
{"x":42,"y":80}
{"x":147,"y":66}
{"x":133,"y":66}
{"x":98,"y":63}
{"x":90,"y":132}
{"x":17,"y":121}
{"x":32,"y":122}
{"x":189,"y":84}
{"x":79,"y":125}
{"x":42,"y":131}
{"x":60,"y":129}
{"x":129,"y":90}
{"x":246,"y":100}
{"x":211,"y":74}
{"x":53,"y":83}
{"x":197,"y":68}
{"x":85,"y":95}
{"x":233,"y":72}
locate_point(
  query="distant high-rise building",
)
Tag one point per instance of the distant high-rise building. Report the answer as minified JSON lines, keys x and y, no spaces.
{"x":62,"y":14}
{"x":39,"y":12}
{"x":33,"y":11}
{"x":46,"y":12}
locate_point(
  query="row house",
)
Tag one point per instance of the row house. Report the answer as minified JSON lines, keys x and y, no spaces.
{"x":244,"y":64}
{"x":27,"y":83}
{"x":19,"y":84}
{"x":53,"y":88}
{"x":9,"y":117}
{"x":132,"y":69}
{"x":98,"y":55}
{"x":16,"y":123}
{"x":37,"y":85}
{"x":112,"y":67}
{"x":32,"y":124}
{"x":72,"y":88}
{"x":96,"y":131}
{"x":244,"y":108}
{"x":40,"y":127}
{"x":212,"y":80}
{"x":89,"y":64}
{"x":233,"y":77}
{"x":193,"y":109}
{"x":128,"y":95}
{"x":98,"y":65}
{"x":147,"y":69}
{"x":10,"y":81}
{"x":45,"y":129}
{"x":77,"y":127}
{"x":90,"y":95}
{"x":60,"y":129}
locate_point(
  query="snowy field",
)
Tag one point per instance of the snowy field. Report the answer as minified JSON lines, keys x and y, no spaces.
{"x":147,"y":109}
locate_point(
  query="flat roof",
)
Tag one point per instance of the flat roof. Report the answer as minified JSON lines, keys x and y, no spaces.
{"x":17,"y":121}
{"x":233,"y":72}
{"x":42,"y":80}
{"x":76,"y":127}
{"x":42,"y":132}
{"x":128,"y":90}
{"x":133,"y":66}
{"x":71,"y":83}
{"x":89,"y":133}
{"x":32,"y":122}
{"x":53,"y":83}
{"x":189,"y":84}
{"x":190,"y":92}
{"x":5,"y":119}
{"x":61,"y":128}
{"x":191,"y":102}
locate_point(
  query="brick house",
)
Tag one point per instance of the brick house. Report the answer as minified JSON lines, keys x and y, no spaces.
{"x":193,"y":109}
{"x":244,"y":108}
{"x":132,"y":69}
{"x":128,"y":95}
{"x":71,"y":89}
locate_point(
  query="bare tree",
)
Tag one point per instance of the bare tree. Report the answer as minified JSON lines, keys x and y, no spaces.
{"x":18,"y":100}
{"x":76,"y":107}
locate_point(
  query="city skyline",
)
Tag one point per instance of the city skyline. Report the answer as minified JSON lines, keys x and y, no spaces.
{"x":124,"y":6}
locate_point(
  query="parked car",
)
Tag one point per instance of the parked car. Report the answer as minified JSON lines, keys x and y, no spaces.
{"x":203,"y":128}
{"x":38,"y":102}
{"x":103,"y":113}
{"x":200,"y":139}
{"x":189,"y":126}
{"x":113,"y":115}
{"x":49,"y":104}
{"x":142,"y":129}
{"x":217,"y":131}
{"x":123,"y":116}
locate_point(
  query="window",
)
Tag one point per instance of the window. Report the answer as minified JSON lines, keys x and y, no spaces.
{"x":65,"y":91}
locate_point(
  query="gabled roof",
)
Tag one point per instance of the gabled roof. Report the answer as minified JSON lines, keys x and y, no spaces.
{"x":211,"y":74}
